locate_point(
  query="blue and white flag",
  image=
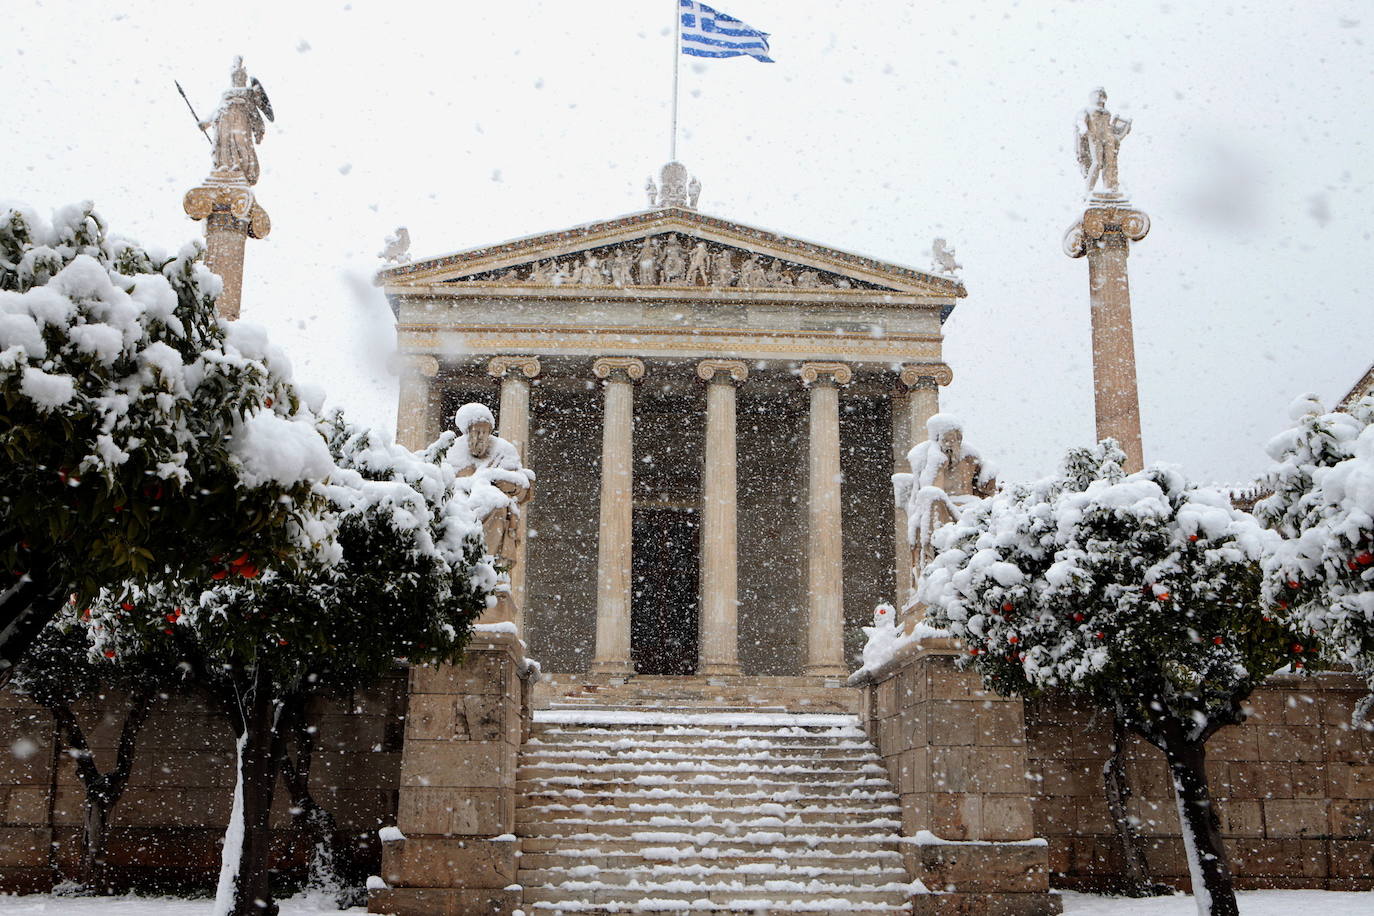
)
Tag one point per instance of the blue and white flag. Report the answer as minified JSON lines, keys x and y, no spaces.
{"x":707,"y":33}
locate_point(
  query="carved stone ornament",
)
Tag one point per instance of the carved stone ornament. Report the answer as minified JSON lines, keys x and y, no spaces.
{"x":826,"y":374}
{"x":238,"y":127}
{"x":1102,"y":225}
{"x":668,"y":259}
{"x":676,"y":188}
{"x":618,"y":368}
{"x":925,"y":375}
{"x":418,"y":363}
{"x":232,"y":199}
{"x":501,"y":366}
{"x":722,"y":371}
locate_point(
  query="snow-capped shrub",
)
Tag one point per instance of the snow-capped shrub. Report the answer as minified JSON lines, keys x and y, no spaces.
{"x":1321,"y":577}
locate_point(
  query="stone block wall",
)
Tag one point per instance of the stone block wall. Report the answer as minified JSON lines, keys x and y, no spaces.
{"x":456,"y":809}
{"x":1294,"y":787}
{"x":167,"y":830}
{"x":957,"y":756}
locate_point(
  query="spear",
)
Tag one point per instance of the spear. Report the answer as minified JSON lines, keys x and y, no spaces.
{"x":193,"y":112}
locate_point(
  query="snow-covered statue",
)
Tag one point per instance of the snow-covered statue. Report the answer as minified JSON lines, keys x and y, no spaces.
{"x":238,"y":125}
{"x":1099,"y":135}
{"x":942,"y":257}
{"x":478,"y":451}
{"x":945,"y":475}
{"x":396,"y":248}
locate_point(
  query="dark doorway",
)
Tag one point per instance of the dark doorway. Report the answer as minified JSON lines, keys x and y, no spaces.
{"x":663,"y":607}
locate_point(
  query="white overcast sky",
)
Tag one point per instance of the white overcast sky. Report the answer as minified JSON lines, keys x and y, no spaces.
{"x":882,"y":124}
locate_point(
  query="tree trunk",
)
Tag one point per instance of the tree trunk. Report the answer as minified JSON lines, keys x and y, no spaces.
{"x":26,"y":606}
{"x":93,"y":875}
{"x":1135,"y":875}
{"x":253,"y":891}
{"x":1212,"y":887}
{"x":103,"y":790}
{"x":327,"y":865}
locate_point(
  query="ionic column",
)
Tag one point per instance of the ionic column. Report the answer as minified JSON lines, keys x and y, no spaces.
{"x":1104,"y":235}
{"x":515,"y":373}
{"x":232,"y":215}
{"x":824,"y":556}
{"x":916,"y":401}
{"x":619,"y":374}
{"x":719,"y":653}
{"x":415,"y":411}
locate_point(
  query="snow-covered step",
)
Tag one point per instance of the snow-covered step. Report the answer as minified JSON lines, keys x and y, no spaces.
{"x":664,"y":810}
{"x":768,"y":899}
{"x":821,"y":796}
{"x":743,"y":873}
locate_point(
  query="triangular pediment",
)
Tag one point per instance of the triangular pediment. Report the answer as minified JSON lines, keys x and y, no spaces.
{"x":672,"y":248}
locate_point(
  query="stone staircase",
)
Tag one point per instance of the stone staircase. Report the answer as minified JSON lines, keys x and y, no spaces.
{"x":633,"y":808}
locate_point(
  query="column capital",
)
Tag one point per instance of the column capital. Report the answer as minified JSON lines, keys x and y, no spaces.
{"x":418,"y":364}
{"x":501,"y":366}
{"x":925,"y":375}
{"x":1105,"y":226}
{"x":619,"y":368}
{"x":722,"y":371}
{"x":826,"y":374}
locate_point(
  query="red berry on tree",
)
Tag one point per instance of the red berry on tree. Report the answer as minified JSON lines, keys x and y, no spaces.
{"x":126,"y":605}
{"x":109,"y":653}
{"x":219,"y":574}
{"x":1008,"y":606}
{"x":1101,"y":635}
{"x":1078,"y":617}
{"x":1218,"y":640}
{"x":1013,"y":638}
{"x":1297,"y":647}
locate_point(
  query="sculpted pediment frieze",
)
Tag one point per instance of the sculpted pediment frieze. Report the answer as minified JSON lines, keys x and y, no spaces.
{"x":668,"y":259}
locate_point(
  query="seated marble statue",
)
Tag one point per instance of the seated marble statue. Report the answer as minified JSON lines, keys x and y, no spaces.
{"x":945,"y":474}
{"x":477,"y":450}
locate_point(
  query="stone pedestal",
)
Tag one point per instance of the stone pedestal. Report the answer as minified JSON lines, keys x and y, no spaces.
{"x":1104,"y":234}
{"x":464,"y":727}
{"x":719,"y":568}
{"x":232,"y":215}
{"x":957,"y":754}
{"x":515,"y":373}
{"x":613,"y":557}
{"x":825,"y":544}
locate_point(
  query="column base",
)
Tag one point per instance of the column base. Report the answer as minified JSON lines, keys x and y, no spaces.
{"x":613,"y":668}
{"x":825,"y":671}
{"x":719,"y":669}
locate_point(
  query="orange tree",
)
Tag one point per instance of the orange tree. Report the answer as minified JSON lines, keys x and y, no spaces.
{"x":1139,"y":595}
{"x":139,"y":435}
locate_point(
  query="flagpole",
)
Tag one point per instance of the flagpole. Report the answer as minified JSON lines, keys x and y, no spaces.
{"x":677,"y":56}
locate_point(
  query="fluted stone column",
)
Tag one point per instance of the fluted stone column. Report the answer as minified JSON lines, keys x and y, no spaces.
{"x":415,"y":410}
{"x":515,"y":373}
{"x":619,"y":374}
{"x":825,"y":544}
{"x":916,"y":401}
{"x":1104,"y":234}
{"x":719,"y":652}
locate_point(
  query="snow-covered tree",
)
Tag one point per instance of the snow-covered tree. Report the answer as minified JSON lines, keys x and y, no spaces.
{"x":139,"y":436}
{"x":1139,"y":594}
{"x":1321,"y":578}
{"x":407,"y":581}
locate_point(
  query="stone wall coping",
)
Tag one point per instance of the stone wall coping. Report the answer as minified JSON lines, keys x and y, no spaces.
{"x":906,"y":655}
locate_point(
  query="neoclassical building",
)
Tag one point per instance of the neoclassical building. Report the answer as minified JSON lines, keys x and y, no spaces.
{"x":714,"y":412}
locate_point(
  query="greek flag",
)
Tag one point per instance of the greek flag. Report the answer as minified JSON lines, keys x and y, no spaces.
{"x":707,"y":33}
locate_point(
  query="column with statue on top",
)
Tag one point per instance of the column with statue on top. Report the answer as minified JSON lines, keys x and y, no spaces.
{"x":226,"y":200}
{"x":1104,"y":234}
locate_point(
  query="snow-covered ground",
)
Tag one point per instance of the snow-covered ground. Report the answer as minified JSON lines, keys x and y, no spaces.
{"x":1252,"y":903}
